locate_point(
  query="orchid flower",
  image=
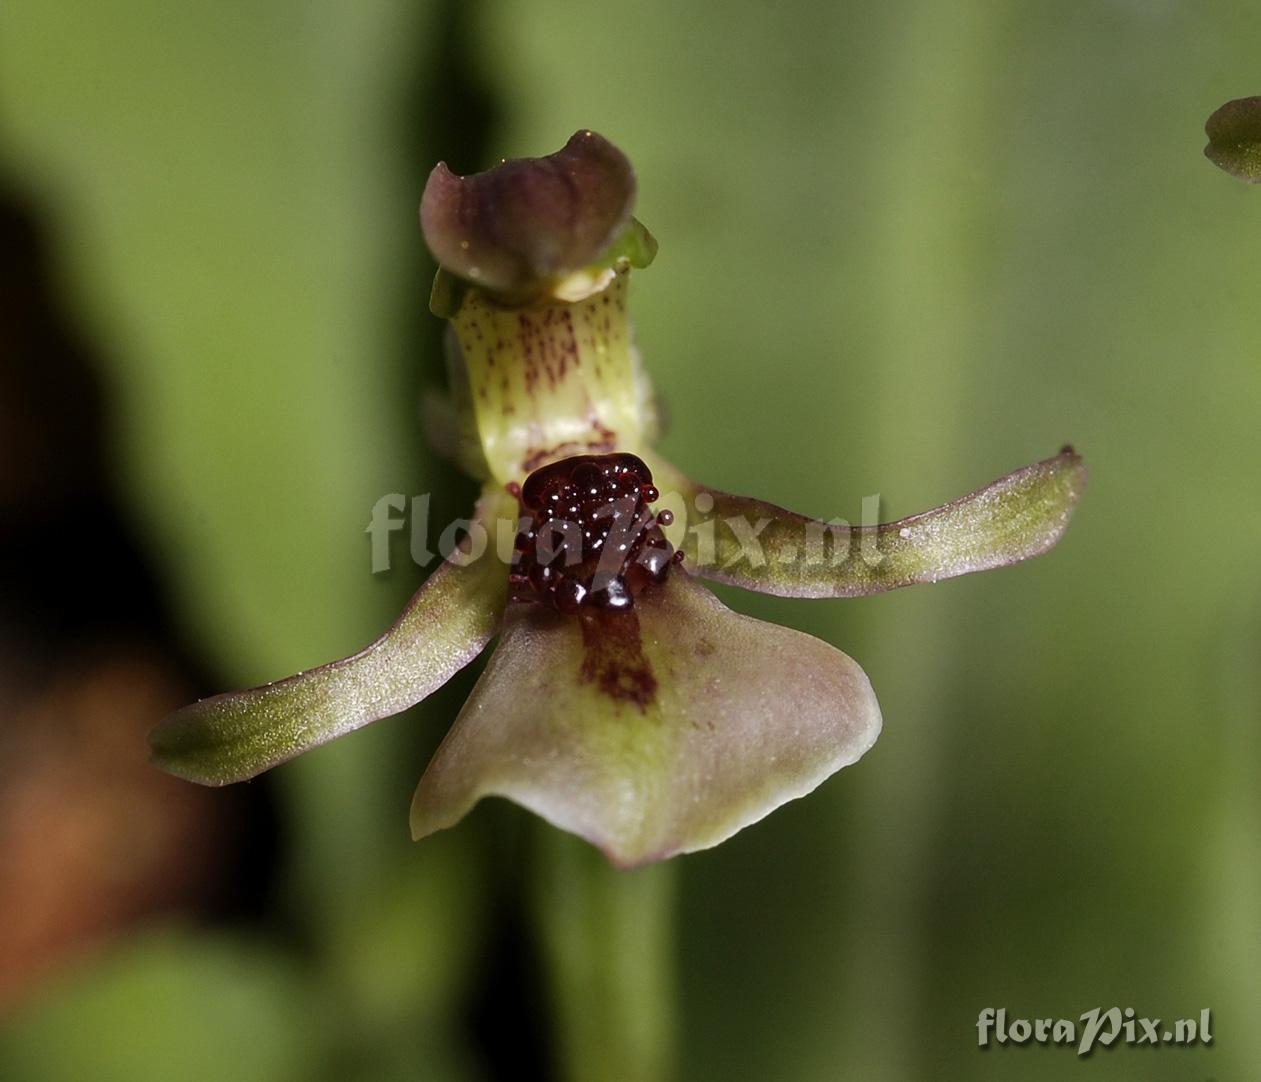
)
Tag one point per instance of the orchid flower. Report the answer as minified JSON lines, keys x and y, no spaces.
{"x":623,"y":701}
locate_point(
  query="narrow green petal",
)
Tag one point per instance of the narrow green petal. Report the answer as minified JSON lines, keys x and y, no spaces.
{"x":762,"y":547}
{"x":447,"y":623}
{"x":650,"y":734}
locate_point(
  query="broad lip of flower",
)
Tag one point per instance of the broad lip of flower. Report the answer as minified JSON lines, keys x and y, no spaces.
{"x":730,"y":717}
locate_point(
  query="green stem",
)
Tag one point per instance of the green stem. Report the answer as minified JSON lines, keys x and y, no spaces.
{"x":606,"y":939}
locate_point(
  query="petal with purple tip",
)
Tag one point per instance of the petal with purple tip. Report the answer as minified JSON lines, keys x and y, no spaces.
{"x":529,"y":221}
{"x":653,"y":733}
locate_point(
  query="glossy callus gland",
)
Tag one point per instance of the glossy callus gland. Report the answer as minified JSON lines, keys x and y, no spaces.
{"x":587,"y":537}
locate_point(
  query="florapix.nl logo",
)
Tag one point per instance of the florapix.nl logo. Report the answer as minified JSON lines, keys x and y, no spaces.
{"x":717,"y":541}
{"x":1096,"y":1028}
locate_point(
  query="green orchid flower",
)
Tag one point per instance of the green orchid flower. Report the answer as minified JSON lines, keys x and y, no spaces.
{"x":623,"y":701}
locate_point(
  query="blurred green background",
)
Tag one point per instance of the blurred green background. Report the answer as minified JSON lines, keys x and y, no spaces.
{"x":905,"y":248}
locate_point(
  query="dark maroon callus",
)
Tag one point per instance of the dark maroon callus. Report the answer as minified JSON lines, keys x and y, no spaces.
{"x":587,"y":536}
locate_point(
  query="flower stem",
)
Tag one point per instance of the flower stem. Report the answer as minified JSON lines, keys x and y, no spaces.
{"x":606,"y":940}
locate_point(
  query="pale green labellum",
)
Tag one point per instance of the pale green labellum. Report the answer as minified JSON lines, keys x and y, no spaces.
{"x":685,"y":725}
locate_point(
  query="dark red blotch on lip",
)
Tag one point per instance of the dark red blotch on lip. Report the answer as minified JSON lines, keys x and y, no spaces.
{"x":613,"y":657}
